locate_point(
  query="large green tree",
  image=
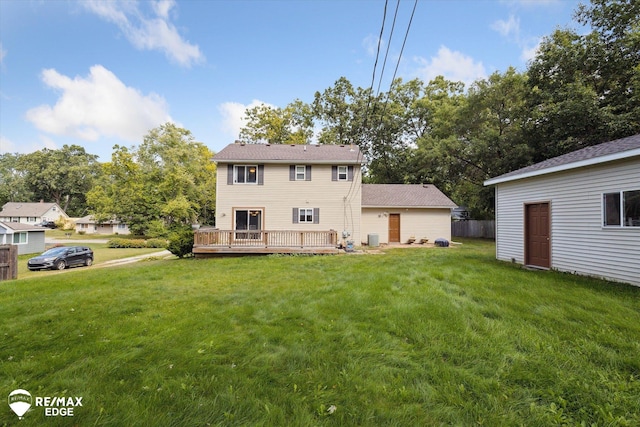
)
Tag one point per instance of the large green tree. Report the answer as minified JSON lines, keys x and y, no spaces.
{"x":585,"y":88}
{"x":62,"y":176}
{"x":290,"y":125}
{"x":13,"y":186}
{"x":168,"y":181}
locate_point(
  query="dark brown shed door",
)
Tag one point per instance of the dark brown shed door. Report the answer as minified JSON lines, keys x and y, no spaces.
{"x":537,"y":235}
{"x":394,"y":228}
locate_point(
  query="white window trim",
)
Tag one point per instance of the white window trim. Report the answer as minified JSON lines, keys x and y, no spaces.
{"x":621,"y":210}
{"x":301,"y":169}
{"x":346,"y":173}
{"x":19,"y":233}
{"x":246,"y":168}
{"x":302,"y":218}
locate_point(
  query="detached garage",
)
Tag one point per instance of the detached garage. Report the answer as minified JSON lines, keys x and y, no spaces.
{"x":401,"y":213}
{"x":579,"y":212}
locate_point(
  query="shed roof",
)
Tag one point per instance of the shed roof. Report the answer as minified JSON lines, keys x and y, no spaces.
{"x":608,"y":151}
{"x":405,"y":196}
{"x":27,"y":209}
{"x":281,"y":153}
{"x":17,"y":226}
{"x":89,"y":219}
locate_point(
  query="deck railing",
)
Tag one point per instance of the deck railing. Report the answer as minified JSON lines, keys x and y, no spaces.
{"x":266,"y":238}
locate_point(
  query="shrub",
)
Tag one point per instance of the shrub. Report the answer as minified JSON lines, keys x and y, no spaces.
{"x":181,"y":242}
{"x":156,"y":243}
{"x":82,"y":232}
{"x":126,"y":243}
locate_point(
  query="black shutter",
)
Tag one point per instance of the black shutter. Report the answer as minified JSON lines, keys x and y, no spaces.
{"x":308,"y":173}
{"x":316,"y":215}
{"x":260,"y":174}
{"x":295,"y":216}
{"x":334,"y":173}
{"x":292,"y":172}
{"x":350,"y":172}
{"x":229,"y":174}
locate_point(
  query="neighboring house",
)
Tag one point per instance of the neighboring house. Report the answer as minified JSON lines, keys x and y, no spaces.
{"x":89,"y":225}
{"x":579,"y":212}
{"x":398,"y":213}
{"x":28,"y":238}
{"x":309,"y":195}
{"x":31,"y":213}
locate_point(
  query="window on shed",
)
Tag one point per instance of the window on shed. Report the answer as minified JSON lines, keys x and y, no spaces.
{"x":621,"y":209}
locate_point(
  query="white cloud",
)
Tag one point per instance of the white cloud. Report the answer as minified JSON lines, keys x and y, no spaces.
{"x":510,"y":28}
{"x":370,"y":44}
{"x":529,"y":53}
{"x":148,"y":32}
{"x":453,"y":65}
{"x":233,"y":116}
{"x":97,"y":106}
{"x":3,"y":53}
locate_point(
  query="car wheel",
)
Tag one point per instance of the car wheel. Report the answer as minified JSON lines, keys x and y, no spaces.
{"x":61,"y":265}
{"x":88,"y":262}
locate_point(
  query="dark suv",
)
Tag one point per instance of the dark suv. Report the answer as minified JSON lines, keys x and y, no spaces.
{"x":47,"y":224}
{"x":61,"y":257}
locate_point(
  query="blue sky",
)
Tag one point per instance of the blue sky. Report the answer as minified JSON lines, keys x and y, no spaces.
{"x":98,"y":73}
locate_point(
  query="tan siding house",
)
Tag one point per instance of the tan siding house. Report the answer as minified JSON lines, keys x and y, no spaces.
{"x":88,"y":225}
{"x":300,"y":195}
{"x":578,"y":213}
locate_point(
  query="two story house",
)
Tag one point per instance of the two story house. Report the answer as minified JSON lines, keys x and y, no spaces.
{"x":31,"y":213}
{"x":309,"y":198}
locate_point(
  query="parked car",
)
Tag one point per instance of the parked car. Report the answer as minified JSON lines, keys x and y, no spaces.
{"x":47,"y":224}
{"x":61,"y":257}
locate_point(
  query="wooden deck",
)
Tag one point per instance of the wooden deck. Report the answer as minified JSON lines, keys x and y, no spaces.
{"x":213,"y":242}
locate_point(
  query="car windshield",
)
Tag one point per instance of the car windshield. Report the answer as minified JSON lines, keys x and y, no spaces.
{"x":54,"y":251}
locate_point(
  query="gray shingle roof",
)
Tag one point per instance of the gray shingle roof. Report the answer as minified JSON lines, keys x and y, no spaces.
{"x":280,"y":153}
{"x":17,"y":226}
{"x":26,"y":209}
{"x":404,"y":195}
{"x":607,"y":151}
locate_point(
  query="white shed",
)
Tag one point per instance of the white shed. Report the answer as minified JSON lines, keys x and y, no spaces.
{"x":579,"y":212}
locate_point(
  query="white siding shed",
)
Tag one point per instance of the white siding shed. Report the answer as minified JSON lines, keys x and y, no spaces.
{"x":573,"y":187}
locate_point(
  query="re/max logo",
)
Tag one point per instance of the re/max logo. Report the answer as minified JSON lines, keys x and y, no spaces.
{"x":58,"y":401}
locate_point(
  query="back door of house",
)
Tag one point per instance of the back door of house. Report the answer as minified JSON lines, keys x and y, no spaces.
{"x":394,"y":228}
{"x":537,"y":248}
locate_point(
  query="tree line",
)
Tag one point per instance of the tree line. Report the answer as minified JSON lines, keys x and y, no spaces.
{"x":579,"y":90}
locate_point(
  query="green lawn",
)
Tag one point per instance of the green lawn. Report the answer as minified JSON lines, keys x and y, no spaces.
{"x":427,"y":336}
{"x":101,"y":254}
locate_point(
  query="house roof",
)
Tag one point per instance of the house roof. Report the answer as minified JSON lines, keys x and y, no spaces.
{"x":27,"y":209}
{"x":623,"y":148}
{"x":16,"y":226}
{"x":404,"y":196}
{"x":89,"y":219}
{"x":281,"y":153}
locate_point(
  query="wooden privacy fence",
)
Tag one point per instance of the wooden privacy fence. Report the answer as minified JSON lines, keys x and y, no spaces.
{"x":474,"y":228}
{"x":265,"y":238}
{"x":8,"y":262}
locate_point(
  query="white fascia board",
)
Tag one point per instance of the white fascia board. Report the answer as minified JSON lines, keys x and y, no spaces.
{"x":567,"y":166}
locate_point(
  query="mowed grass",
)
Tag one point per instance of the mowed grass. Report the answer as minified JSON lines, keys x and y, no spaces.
{"x":101,"y":254}
{"x":428,"y":336}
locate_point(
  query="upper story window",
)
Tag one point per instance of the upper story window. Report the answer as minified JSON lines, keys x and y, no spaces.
{"x":301,"y":172}
{"x":245,"y":174}
{"x":621,"y":209}
{"x":342,"y":173}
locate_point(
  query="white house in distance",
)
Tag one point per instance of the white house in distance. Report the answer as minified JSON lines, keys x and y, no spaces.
{"x":579,"y":212}
{"x":31,"y":213}
{"x":88,"y":224}
{"x":272,"y":198}
{"x":28,"y":238}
